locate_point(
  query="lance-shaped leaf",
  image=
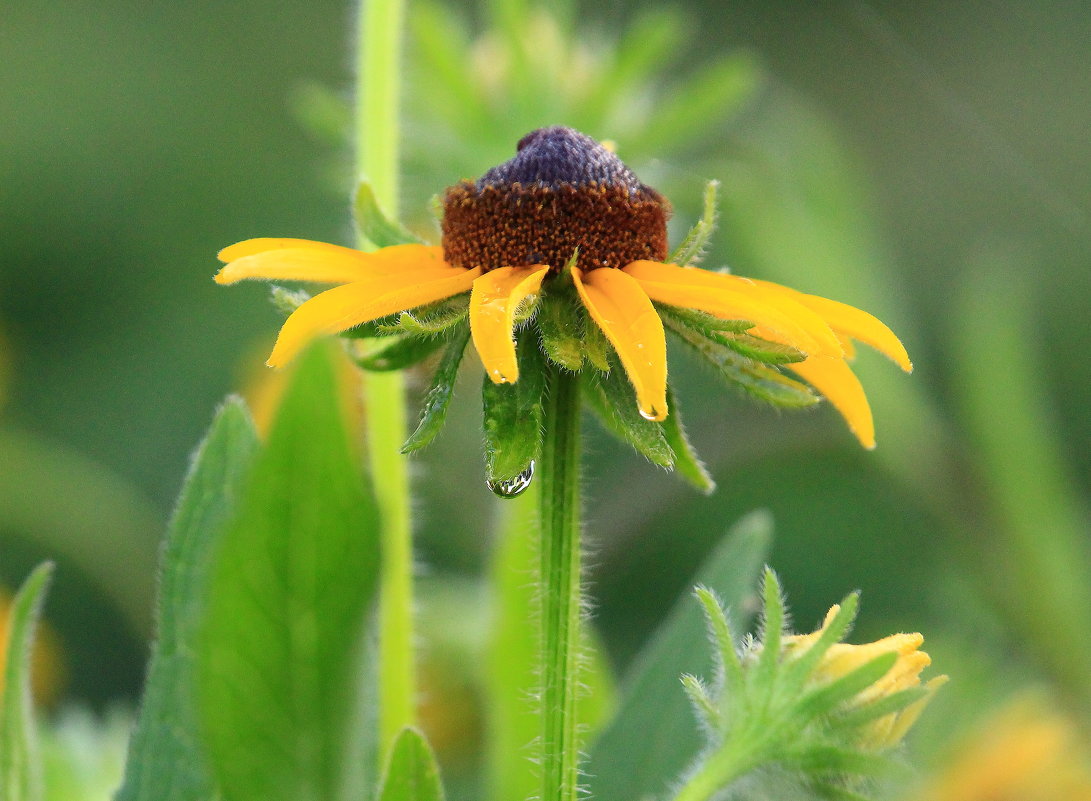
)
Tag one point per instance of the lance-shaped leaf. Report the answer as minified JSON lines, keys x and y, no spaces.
{"x":438,"y":397}
{"x":693,"y":245}
{"x":654,"y":735}
{"x":686,"y":461}
{"x":411,"y":772}
{"x":611,"y":397}
{"x":402,"y":353}
{"x":166,"y":762}
{"x":513,"y":415}
{"x":373,"y":223}
{"x":20,"y":762}
{"x":292,"y":582}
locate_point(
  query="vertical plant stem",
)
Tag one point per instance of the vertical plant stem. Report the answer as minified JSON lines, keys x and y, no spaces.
{"x":376,"y":138}
{"x":560,"y":586}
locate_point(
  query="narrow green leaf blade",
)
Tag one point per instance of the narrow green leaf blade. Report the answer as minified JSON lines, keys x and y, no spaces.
{"x":402,"y":353}
{"x":289,"y":592}
{"x":655,"y":736}
{"x":612,"y":398}
{"x":412,"y":773}
{"x":438,"y":397}
{"x":686,"y":461}
{"x":513,"y":414}
{"x":373,"y":223}
{"x":693,"y":245}
{"x":20,"y":762}
{"x":166,"y":762}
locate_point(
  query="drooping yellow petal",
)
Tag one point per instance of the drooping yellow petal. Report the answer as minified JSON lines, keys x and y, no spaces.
{"x":251,"y":247}
{"x":732,"y":297}
{"x":621,"y":308}
{"x":322,"y":263}
{"x":840,"y":386}
{"x":850,"y":321}
{"x":344,"y":307}
{"x":494,"y":300}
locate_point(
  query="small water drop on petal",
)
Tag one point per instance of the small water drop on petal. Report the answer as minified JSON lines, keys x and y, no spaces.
{"x":649,"y":415}
{"x":511,"y":487}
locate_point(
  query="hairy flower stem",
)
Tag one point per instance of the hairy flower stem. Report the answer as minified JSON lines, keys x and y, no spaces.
{"x":560,"y":586}
{"x":717,"y":772}
{"x":376,"y":137}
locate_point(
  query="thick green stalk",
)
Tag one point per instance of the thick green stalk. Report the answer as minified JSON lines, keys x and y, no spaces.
{"x":377,"y":100}
{"x":560,"y":586}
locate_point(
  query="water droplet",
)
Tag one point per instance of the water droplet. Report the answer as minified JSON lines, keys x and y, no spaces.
{"x":649,"y":415}
{"x":509,"y":488}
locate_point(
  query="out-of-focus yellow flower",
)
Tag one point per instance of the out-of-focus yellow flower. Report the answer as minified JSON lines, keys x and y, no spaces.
{"x":46,"y":668}
{"x":842,"y":658}
{"x":1025,"y":752}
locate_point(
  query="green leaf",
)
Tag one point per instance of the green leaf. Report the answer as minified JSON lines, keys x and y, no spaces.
{"x":513,"y":414}
{"x":561,"y":325}
{"x":293,"y":579}
{"x":411,"y":773}
{"x":728,"y":333}
{"x":764,"y":383}
{"x":693,"y":245}
{"x":686,"y":461}
{"x":402,"y":353}
{"x":166,"y":761}
{"x":373,"y":223}
{"x":654,"y":736}
{"x":20,"y":762}
{"x":435,"y":318}
{"x":703,"y":323}
{"x":438,"y":397}
{"x":612,"y":398}
{"x":761,"y":350}
{"x":823,"y":699}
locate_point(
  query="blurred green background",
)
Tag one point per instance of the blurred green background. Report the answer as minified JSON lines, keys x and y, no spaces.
{"x":927,"y":161}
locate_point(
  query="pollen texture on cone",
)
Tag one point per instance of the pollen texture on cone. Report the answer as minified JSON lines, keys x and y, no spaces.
{"x":562,"y":192}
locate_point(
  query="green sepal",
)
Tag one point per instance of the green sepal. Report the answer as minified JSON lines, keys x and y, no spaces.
{"x":692,"y":247}
{"x":705,"y":324}
{"x":428,"y":320}
{"x":400,"y":354}
{"x":431,"y":319}
{"x":374,"y":224}
{"x":438,"y":397}
{"x":596,"y":347}
{"x":761,"y":350}
{"x":611,"y":397}
{"x":561,"y":326}
{"x":287,"y":300}
{"x":763,"y":382}
{"x":731,"y":334}
{"x":513,"y":414}
{"x":686,"y":461}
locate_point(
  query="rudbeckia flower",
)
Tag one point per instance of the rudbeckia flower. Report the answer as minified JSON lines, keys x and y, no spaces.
{"x":566,"y":236}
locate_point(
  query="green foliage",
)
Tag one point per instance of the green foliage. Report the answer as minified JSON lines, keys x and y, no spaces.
{"x":513,"y":415}
{"x":293,"y":579}
{"x":611,"y":397}
{"x":693,"y":245}
{"x":759,"y":380}
{"x":373,"y":224}
{"x":770,"y":704}
{"x":653,"y":738}
{"x":686,"y":461}
{"x":166,"y":761}
{"x":20,"y":760}
{"x":402,"y":353}
{"x":411,"y":773}
{"x":438,"y":397}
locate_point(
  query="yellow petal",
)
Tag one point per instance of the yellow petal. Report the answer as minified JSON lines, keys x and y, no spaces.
{"x":732,"y":297}
{"x":494,"y":300}
{"x":344,"y":307}
{"x":251,"y":247}
{"x":836,"y":381}
{"x":618,"y":303}
{"x":322,"y":263}
{"x":849,"y":321}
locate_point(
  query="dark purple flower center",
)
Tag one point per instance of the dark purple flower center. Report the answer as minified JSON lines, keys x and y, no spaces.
{"x":561,"y":192}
